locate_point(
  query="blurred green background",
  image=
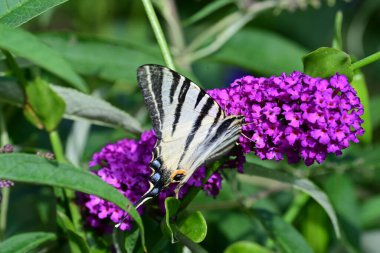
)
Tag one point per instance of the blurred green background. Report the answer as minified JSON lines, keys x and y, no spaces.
{"x":106,"y":40}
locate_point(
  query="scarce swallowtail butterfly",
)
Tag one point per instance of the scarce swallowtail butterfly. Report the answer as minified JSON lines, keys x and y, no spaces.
{"x":190,"y":126}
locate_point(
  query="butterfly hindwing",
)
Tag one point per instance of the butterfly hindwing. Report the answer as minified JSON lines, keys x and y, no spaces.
{"x":190,"y":126}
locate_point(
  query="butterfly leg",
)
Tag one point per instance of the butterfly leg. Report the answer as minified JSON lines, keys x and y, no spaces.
{"x":177,"y":189}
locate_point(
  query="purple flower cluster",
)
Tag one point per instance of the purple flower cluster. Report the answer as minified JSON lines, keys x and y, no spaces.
{"x":294,"y":115}
{"x":125,"y":165}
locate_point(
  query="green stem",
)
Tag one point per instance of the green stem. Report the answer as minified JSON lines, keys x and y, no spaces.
{"x":177,"y":39}
{"x":337,"y":41}
{"x":158,"y":33}
{"x":4,"y":211}
{"x":57,"y":146}
{"x":363,"y":62}
{"x":4,"y":200}
{"x":298,"y":202}
{"x":59,"y":154}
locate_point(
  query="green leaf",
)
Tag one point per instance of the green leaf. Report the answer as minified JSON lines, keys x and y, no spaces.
{"x":301,"y":184}
{"x":360,"y":85}
{"x":206,"y":11}
{"x":326,"y":62}
{"x":44,"y":107}
{"x":261,"y":51}
{"x":370,"y":212}
{"x":193,"y":226}
{"x":26,"y":45}
{"x":77,"y":241}
{"x":286,"y":237}
{"x":246,"y":247}
{"x":113,"y":60}
{"x":34,"y":169}
{"x":82,"y":106}
{"x":16,"y":13}
{"x":314,"y":228}
{"x":130,"y":240}
{"x":171,"y":207}
{"x":341,"y":192}
{"x":193,"y":247}
{"x":26,"y":242}
{"x":79,"y":106}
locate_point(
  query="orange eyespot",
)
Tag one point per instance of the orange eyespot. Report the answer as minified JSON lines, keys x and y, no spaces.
{"x":178,"y":175}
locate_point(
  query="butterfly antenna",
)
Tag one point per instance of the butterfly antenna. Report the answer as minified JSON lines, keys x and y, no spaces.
{"x":245,"y":136}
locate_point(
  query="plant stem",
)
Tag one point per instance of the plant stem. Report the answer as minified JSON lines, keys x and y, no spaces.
{"x":177,"y":38}
{"x":158,"y":33}
{"x":57,"y":146}
{"x":58,"y":152}
{"x":4,"y":200}
{"x":337,"y":41}
{"x":363,"y":62}
{"x":298,"y":202}
{"x":4,"y":211}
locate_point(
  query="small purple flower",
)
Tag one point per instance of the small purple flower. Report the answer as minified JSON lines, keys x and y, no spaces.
{"x":5,"y":183}
{"x":7,"y":148}
{"x":294,"y":115}
{"x":125,"y":166}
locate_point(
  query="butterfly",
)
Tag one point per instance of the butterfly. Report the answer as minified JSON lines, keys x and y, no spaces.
{"x":190,"y":126}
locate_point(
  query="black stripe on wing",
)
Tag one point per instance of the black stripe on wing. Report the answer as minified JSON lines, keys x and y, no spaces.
{"x":149,"y":78}
{"x":173,"y":87}
{"x":197,"y":124}
{"x":181,"y":100}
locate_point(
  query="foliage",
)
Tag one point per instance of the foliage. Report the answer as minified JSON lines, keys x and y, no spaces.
{"x":95,"y":49}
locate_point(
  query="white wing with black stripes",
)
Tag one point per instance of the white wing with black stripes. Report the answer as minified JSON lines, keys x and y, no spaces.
{"x":190,"y":126}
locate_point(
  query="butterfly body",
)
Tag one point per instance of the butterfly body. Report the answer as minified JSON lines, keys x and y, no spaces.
{"x":190,"y":126}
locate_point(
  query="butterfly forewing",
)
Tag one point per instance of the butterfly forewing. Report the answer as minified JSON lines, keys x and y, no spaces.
{"x":190,"y":126}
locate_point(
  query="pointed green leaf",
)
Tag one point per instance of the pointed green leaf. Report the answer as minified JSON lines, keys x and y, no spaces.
{"x":26,"y":242}
{"x":325,"y":62}
{"x":26,"y":45}
{"x":286,"y":237}
{"x":16,"y":13}
{"x":193,"y":226}
{"x":79,"y":106}
{"x":301,"y":184}
{"x":44,"y":107}
{"x":34,"y":169}
{"x":246,"y":247}
{"x":83,"y":106}
{"x":360,"y":85}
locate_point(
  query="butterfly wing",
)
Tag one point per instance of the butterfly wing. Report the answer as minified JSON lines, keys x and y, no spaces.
{"x":190,"y":126}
